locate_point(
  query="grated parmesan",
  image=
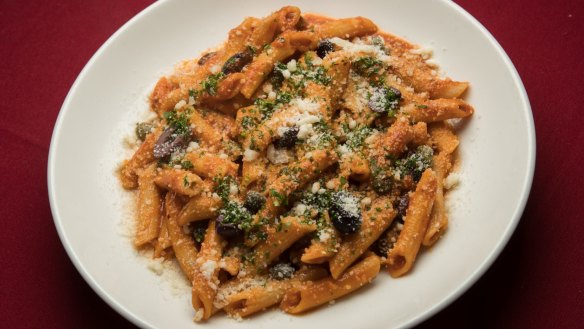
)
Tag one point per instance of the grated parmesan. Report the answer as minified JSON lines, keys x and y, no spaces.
{"x":250,"y":155}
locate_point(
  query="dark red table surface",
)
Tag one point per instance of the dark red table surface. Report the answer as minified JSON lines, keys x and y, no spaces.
{"x":537,"y":282}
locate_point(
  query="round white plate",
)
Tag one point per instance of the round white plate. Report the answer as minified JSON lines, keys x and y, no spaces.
{"x":89,"y":207}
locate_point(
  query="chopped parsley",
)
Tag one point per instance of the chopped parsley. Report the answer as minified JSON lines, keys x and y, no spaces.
{"x":234,"y":213}
{"x":267,"y":107}
{"x":223,"y":187}
{"x":415,"y":163}
{"x":178,"y":121}
{"x":210,"y":84}
{"x":367,"y":66}
{"x":186,"y":164}
{"x":280,"y":199}
{"x":248,"y":122}
{"x":356,"y":138}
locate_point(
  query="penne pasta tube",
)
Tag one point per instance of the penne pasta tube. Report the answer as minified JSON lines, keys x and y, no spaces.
{"x":261,"y":293}
{"x":143,"y":156}
{"x":205,"y":274}
{"x":438,"y":218}
{"x":401,"y":258}
{"x":288,"y":18}
{"x":435,"y":110}
{"x":311,"y":295}
{"x":208,"y":165}
{"x":253,"y":171}
{"x":279,"y":238}
{"x":204,"y":132}
{"x":159,"y":96}
{"x":323,"y":248}
{"x":346,"y":28}
{"x":264,"y":31}
{"x":298,"y":175}
{"x":394,"y":141}
{"x":163,"y":242}
{"x":281,"y":48}
{"x":238,"y":37}
{"x":200,"y":207}
{"x":355,"y":166}
{"x":182,"y":243}
{"x":375,"y":221}
{"x":181,"y":182}
{"x":446,"y":142}
{"x":149,"y":207}
{"x":256,"y":299}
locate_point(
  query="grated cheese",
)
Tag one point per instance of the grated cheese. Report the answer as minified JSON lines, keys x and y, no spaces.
{"x":250,"y":155}
{"x":180,"y":104}
{"x":278,"y":156}
{"x":356,"y":49}
{"x":451,"y":181}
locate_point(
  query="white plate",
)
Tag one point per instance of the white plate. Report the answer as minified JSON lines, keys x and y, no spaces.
{"x":108,"y":97}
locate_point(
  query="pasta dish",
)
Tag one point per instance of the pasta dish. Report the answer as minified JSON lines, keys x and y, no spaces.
{"x":290,"y":165}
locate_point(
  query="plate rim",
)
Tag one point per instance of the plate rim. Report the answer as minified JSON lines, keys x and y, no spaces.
{"x":442,"y":304}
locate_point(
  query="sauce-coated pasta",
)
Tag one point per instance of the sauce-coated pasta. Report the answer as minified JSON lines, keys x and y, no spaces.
{"x":291,"y":164}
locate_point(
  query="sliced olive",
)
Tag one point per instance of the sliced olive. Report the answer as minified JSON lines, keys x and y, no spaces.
{"x":169,"y":142}
{"x":227,"y":230}
{"x":236,"y":62}
{"x":206,"y":57}
{"x":288,"y":139}
{"x":345,"y":212}
{"x":254,"y":201}
{"x":324,"y":47}
{"x":402,"y":205}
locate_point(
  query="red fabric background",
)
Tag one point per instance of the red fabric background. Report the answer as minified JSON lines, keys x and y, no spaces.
{"x":537,"y":282}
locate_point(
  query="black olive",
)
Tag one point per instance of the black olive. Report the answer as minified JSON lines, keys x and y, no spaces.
{"x":382,"y":246}
{"x":345,"y":212}
{"x":143,"y":129}
{"x":402,"y":205}
{"x":226,"y":230}
{"x":289,"y":139}
{"x":236,"y":62}
{"x":282,"y":271}
{"x":206,"y":57}
{"x":254,"y":201}
{"x":384,"y":99}
{"x":168,"y":142}
{"x":325,"y":46}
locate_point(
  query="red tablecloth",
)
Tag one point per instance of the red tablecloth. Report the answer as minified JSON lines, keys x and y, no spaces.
{"x":537,"y":282}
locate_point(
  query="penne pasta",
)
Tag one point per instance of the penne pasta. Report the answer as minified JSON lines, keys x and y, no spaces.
{"x":182,"y":243}
{"x":149,"y":208}
{"x":311,"y":295}
{"x":279,"y":238}
{"x":143,"y":156}
{"x":446,"y":142}
{"x":181,"y":182}
{"x":401,"y":258}
{"x":205,"y":274}
{"x":290,"y":163}
{"x":198,"y":208}
{"x":375,"y":221}
{"x":435,"y":110}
